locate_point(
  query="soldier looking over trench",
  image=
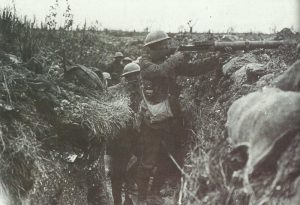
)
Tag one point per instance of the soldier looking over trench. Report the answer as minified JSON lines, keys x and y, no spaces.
{"x":115,"y":68}
{"x":160,"y":116}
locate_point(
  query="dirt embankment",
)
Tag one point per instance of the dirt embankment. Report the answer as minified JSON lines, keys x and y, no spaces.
{"x":206,"y":100}
{"x":52,"y":139}
{"x":53,"y":132}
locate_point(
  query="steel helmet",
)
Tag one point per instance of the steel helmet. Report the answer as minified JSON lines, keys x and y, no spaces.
{"x":131,"y":68}
{"x":127,"y":59}
{"x":118,"y":54}
{"x":155,"y":36}
{"x":106,"y":75}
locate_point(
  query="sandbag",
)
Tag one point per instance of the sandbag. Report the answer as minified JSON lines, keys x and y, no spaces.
{"x":86,"y":76}
{"x":290,"y":79}
{"x":260,"y":119}
{"x":250,"y":73}
{"x":237,"y":62}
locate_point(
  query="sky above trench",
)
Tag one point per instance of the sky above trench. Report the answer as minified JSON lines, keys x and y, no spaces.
{"x":172,"y":15}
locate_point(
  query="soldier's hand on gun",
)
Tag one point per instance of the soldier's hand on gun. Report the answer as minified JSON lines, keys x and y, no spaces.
{"x":182,"y":55}
{"x":177,"y":57}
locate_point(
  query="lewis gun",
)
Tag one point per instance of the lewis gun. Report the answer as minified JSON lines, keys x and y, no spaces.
{"x":234,"y":45}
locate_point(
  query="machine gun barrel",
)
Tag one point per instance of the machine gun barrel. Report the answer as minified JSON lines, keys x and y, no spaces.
{"x":249,"y":45}
{"x":234,"y":45}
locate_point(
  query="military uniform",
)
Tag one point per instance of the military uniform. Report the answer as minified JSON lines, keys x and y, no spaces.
{"x":162,"y":136}
{"x":123,"y":146}
{"x":115,"y":69}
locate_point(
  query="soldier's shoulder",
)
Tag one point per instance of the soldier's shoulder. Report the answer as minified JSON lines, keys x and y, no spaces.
{"x":144,"y":57}
{"x":145,"y":61}
{"x":113,"y":64}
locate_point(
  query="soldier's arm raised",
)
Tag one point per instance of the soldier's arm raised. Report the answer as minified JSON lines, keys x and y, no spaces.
{"x":199,"y":67}
{"x":151,"y":69}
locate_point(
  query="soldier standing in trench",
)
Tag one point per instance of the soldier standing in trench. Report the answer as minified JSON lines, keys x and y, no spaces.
{"x":123,"y":147}
{"x":115,"y":68}
{"x":160,"y":117}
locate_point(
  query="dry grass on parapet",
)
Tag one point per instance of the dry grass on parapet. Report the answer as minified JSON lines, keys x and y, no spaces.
{"x":33,"y":107}
{"x":100,"y":115}
{"x":110,"y":116}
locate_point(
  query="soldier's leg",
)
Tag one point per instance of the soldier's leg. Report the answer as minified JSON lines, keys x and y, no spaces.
{"x":116,"y":186}
{"x":171,"y":146}
{"x":165,"y":166}
{"x":121,"y":153}
{"x":130,"y":182}
{"x":117,"y":178}
{"x":162,"y":173}
{"x":150,"y":142}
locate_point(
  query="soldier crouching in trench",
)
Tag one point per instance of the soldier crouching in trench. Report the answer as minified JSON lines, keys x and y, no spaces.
{"x":123,"y":147}
{"x":160,"y":117}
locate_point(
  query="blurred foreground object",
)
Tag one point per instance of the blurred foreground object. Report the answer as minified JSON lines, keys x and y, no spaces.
{"x":264,"y":127}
